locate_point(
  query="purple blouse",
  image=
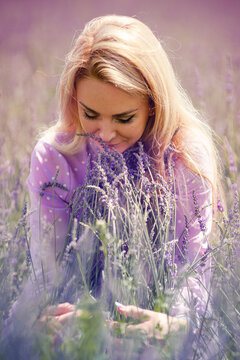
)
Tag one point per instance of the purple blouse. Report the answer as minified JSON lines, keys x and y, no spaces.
{"x":53,"y":208}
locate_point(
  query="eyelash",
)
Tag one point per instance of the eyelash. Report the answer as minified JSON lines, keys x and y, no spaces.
{"x":87,"y":116}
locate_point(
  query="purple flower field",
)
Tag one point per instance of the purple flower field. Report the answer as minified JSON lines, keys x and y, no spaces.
{"x":202,"y":41}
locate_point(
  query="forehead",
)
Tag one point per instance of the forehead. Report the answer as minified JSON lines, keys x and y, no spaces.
{"x":104,"y":97}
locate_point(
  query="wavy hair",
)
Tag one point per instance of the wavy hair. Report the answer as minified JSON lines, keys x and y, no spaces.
{"x":124,"y":52}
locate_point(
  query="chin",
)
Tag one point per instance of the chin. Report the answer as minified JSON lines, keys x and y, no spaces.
{"x":121,"y":149}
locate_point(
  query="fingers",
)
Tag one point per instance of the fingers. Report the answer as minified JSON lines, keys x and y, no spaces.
{"x":64,"y":309}
{"x":143,"y":328}
{"x":133,"y":311}
{"x":59,"y":309}
{"x":112,"y":325}
{"x":125,"y":329}
{"x":58,"y":315}
{"x":63,"y":317}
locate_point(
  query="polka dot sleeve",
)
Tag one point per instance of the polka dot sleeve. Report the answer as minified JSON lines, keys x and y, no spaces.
{"x":49,"y":218}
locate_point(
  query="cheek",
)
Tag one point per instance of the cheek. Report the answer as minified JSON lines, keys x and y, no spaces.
{"x":138,"y":130}
{"x":86,"y":125}
{"x":134,"y":134}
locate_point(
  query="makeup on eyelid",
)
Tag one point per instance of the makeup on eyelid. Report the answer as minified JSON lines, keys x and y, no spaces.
{"x":114,"y":118}
{"x":110,"y":113}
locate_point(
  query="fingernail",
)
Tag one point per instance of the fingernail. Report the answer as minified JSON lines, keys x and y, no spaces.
{"x":121,"y":310}
{"x":119,"y":305}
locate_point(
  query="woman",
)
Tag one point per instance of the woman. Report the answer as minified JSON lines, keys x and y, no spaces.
{"x":119,"y":85}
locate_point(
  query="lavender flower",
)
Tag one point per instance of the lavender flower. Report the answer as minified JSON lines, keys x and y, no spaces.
{"x":52,"y":184}
{"x":184,"y":248}
{"x":198,"y":213}
{"x":220,"y":206}
{"x":205,"y":256}
{"x":125,"y":192}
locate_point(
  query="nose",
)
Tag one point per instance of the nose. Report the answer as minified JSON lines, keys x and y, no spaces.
{"x":107,"y":133}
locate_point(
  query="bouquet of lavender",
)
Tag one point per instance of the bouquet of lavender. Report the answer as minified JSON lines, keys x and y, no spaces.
{"x":119,"y":248}
{"x":121,"y":218}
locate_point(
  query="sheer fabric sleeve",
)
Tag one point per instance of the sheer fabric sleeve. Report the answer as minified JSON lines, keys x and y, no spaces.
{"x":49,"y":214}
{"x":49,"y":221}
{"x":192,"y":229}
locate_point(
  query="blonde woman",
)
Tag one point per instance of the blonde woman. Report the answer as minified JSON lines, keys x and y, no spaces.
{"x":119,"y":85}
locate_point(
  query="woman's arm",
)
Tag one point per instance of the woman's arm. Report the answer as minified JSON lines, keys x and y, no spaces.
{"x":49,"y":218}
{"x":193,"y":226}
{"x":50,"y":213}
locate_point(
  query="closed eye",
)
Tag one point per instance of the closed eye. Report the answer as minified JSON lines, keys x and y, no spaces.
{"x":87,"y":116}
{"x":126,"y":120}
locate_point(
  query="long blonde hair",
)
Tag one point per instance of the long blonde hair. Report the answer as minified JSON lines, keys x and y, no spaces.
{"x":124,"y":52}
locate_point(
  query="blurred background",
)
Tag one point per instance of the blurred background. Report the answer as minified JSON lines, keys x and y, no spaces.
{"x":56,"y":21}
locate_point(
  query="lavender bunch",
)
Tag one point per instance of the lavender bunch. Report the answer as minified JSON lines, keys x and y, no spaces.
{"x":125,"y":208}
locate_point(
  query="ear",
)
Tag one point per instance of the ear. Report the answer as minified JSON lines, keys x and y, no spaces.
{"x":151,"y":111}
{"x":151,"y":107}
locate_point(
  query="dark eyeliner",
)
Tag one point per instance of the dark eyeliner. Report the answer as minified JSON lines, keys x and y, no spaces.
{"x":126,"y":120}
{"x":87,"y":116}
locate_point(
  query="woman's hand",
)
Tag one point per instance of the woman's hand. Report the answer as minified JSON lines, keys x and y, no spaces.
{"x":153,"y":324}
{"x":59,"y":314}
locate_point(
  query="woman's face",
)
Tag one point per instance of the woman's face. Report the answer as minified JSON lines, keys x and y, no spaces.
{"x":111,"y":114}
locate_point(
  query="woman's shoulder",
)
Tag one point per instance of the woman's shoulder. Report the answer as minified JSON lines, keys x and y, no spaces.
{"x":188,"y":184}
{"x":43,"y":147}
{"x":196,"y":159}
{"x":46,"y":156}
{"x":47,"y":153}
{"x":47,"y":163}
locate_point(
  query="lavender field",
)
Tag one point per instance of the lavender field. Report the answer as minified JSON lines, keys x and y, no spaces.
{"x":203,"y":42}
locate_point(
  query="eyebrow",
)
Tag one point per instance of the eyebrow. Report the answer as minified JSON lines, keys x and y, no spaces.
{"x":115,"y":115}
